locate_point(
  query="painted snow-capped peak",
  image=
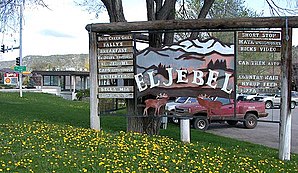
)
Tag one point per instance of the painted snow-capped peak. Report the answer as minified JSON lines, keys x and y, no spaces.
{"x":203,"y":46}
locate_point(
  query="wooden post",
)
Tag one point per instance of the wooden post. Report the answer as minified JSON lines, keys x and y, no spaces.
{"x":185,"y":130}
{"x":73,"y":86}
{"x":94,"y":116}
{"x":285,"y":108}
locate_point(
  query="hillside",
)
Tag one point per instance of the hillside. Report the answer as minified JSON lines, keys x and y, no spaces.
{"x":78,"y":62}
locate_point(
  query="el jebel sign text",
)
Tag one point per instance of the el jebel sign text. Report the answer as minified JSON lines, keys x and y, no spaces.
{"x":188,"y":67}
{"x":115,"y":64}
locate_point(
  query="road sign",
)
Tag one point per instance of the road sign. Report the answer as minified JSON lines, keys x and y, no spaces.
{"x":20,"y":68}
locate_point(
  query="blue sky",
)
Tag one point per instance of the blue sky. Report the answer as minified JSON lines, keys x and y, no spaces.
{"x":61,"y":30}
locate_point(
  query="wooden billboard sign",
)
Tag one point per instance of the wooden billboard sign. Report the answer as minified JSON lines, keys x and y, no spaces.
{"x":115,"y":64}
{"x":259,"y":41}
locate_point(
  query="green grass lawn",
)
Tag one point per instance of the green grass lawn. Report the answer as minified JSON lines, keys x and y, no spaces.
{"x":45,"y":133}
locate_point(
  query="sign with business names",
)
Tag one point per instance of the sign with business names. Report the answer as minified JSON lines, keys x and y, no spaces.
{"x":259,"y":41}
{"x":259,"y":74}
{"x":11,"y":78}
{"x":115,"y":64}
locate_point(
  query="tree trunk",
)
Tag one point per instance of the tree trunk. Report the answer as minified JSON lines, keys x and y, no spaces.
{"x":155,"y":39}
{"x":203,"y":13}
{"x":115,"y":10}
{"x":134,"y":124}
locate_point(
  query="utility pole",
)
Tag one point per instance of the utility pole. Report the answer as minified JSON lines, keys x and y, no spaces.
{"x":21,"y":47}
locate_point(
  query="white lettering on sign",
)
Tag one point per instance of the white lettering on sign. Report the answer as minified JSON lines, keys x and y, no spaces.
{"x":268,"y":35}
{"x":112,"y":44}
{"x":115,"y":95}
{"x":259,"y":84}
{"x":258,"y":49}
{"x":259,"y":63}
{"x":116,"y":89}
{"x":115,"y":50}
{"x":115,"y":38}
{"x":259,"y":42}
{"x":265,"y":35}
{"x":115,"y":69}
{"x":116,"y":63}
{"x":182,"y":78}
{"x":268,"y":49}
{"x":117,"y":76}
{"x":250,"y":83}
{"x":108,"y":82}
{"x":115,"y":56}
{"x":250,"y":34}
{"x":248,"y":49}
{"x":258,"y":77}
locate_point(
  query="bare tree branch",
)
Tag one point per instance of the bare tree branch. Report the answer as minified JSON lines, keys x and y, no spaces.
{"x":10,"y":12}
{"x":275,"y":9}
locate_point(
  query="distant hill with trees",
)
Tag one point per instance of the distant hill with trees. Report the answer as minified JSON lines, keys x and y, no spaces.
{"x":77,"y":62}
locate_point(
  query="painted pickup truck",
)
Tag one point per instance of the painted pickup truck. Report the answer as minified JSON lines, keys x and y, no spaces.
{"x":219,"y":109}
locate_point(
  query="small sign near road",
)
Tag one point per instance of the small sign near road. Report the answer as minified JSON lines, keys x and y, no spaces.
{"x":20,"y":68}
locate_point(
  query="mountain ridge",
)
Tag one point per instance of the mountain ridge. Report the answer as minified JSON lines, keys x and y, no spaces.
{"x":73,"y":62}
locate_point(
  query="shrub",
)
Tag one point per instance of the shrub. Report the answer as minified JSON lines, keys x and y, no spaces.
{"x":82,"y":94}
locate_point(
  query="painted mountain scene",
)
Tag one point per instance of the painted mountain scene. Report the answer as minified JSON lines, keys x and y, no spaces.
{"x":187,"y":68}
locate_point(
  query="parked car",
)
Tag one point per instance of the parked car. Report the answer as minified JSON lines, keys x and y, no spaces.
{"x":249,"y":97}
{"x":170,"y":106}
{"x":220,"y":110}
{"x":274,"y":100}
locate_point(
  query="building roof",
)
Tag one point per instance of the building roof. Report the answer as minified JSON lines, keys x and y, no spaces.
{"x":62,"y":73}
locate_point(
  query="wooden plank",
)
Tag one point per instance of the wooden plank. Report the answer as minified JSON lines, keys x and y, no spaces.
{"x":115,"y":63}
{"x":257,"y":62}
{"x":114,"y":56}
{"x":116,"y":89}
{"x":258,"y":49}
{"x":115,"y":44}
{"x":264,"y":35}
{"x":115,"y":69}
{"x":258,"y":90}
{"x":119,"y":50}
{"x":115,"y":95}
{"x":258,"y":77}
{"x":115,"y":37}
{"x":117,"y":76}
{"x":227,"y":23}
{"x":250,"y":42}
{"x":251,"y":83}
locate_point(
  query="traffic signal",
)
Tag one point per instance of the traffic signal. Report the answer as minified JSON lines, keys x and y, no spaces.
{"x":2,"y":48}
{"x":18,"y":61}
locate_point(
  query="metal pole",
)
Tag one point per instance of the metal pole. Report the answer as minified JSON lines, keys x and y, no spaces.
{"x":20,"y":50}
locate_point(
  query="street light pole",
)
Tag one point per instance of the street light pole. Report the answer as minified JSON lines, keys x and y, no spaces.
{"x":20,"y":50}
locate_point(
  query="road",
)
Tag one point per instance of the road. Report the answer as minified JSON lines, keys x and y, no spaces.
{"x":265,"y":133}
